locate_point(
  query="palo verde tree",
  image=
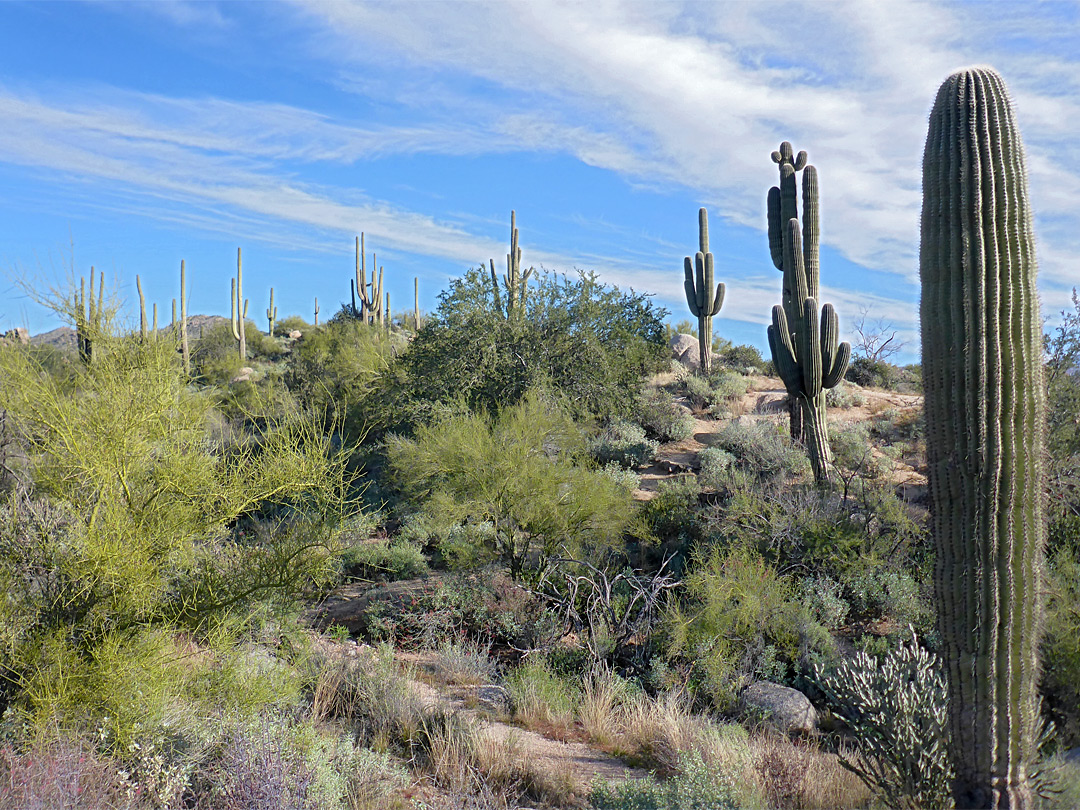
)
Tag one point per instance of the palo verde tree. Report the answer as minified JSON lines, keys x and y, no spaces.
{"x":515,"y":480}
{"x":983,"y":376}
{"x":140,"y":519}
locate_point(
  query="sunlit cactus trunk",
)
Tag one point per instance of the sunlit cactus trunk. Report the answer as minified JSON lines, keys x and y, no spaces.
{"x":704,"y":302}
{"x":982,"y":370}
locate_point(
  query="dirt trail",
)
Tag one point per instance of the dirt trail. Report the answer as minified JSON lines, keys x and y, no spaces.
{"x":764,"y":401}
{"x":574,"y":762}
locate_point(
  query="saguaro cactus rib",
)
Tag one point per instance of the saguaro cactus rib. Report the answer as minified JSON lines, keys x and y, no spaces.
{"x":985,"y":411}
{"x":704,"y":303}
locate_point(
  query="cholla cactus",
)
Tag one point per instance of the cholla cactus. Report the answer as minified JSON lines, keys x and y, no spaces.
{"x":897,"y":709}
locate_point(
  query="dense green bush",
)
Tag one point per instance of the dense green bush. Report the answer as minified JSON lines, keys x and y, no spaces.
{"x":142,"y":521}
{"x":1061,"y":647}
{"x":519,"y":473}
{"x":699,"y":785}
{"x":335,"y":371}
{"x":593,"y":343}
{"x":215,"y":357}
{"x":740,"y":620}
{"x":624,"y":443}
{"x":762,"y":449}
{"x":662,"y":418}
{"x":714,"y":465}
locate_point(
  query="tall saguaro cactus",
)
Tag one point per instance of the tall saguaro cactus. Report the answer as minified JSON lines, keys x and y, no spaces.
{"x":370,"y":292}
{"x":238,"y":310}
{"x":142,"y":309}
{"x":515,"y":280}
{"x":89,"y":316}
{"x":271,"y":314}
{"x":185,"y":352}
{"x":806,"y":348}
{"x":704,"y":303}
{"x":985,"y":403}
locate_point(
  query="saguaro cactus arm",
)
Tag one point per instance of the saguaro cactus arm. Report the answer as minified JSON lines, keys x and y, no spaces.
{"x":985,"y":412}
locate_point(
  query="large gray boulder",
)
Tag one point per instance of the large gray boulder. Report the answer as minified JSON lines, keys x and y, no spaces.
{"x":786,"y":709}
{"x":684,"y":348}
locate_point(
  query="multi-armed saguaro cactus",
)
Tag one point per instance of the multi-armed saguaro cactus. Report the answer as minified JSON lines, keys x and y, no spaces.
{"x":515,"y":279}
{"x":89,"y":316}
{"x":238,"y":310}
{"x":370,"y":292}
{"x":806,"y":349}
{"x":271,"y":313}
{"x":982,"y":367}
{"x":703,"y":301}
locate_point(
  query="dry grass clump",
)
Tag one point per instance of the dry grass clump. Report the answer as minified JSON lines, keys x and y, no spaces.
{"x":64,"y":773}
{"x":800,"y":776}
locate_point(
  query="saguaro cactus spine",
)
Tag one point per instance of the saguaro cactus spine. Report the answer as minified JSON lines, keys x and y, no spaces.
{"x":985,"y":412}
{"x":806,"y":348}
{"x":238,"y":310}
{"x":516,"y":280}
{"x":704,"y":302}
{"x":271,"y":313}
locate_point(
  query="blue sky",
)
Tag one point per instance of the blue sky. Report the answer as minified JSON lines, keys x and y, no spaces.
{"x":147,"y":133}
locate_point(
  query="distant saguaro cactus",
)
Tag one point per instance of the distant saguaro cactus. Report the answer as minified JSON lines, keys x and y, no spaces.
{"x":89,"y":316}
{"x":704,"y":302}
{"x":516,"y":280}
{"x":238,"y":310}
{"x":806,"y":349}
{"x":185,"y":352}
{"x":370,"y":292}
{"x":316,"y":312}
{"x":142,"y":308}
{"x":271,"y":313}
{"x":985,"y":403}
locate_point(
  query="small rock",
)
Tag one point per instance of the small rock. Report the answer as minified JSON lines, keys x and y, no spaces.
{"x":295,"y":334}
{"x":243,"y":375}
{"x":786,"y":709}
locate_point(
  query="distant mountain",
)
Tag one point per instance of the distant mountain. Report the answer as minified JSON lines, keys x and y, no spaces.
{"x":63,"y":337}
